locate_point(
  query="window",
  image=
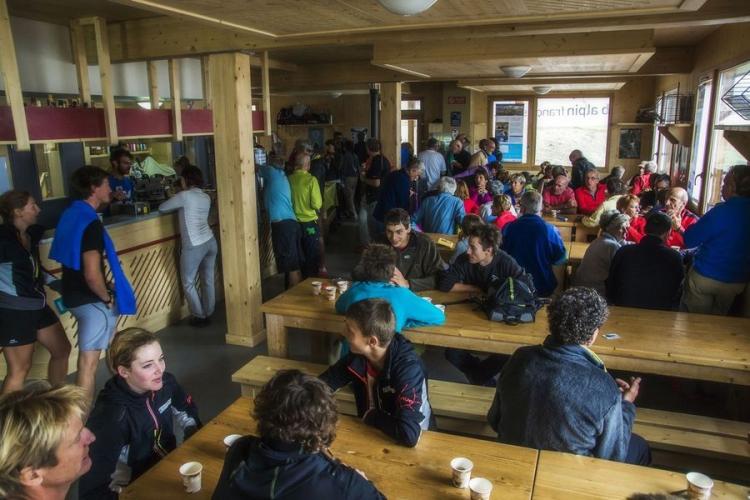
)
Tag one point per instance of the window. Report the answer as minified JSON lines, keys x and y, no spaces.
{"x":6,"y":180}
{"x":565,"y":124}
{"x":510,"y":120}
{"x":411,"y":105}
{"x":700,"y":141}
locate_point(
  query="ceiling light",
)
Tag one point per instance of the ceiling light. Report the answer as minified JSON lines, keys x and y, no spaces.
{"x":407,"y":7}
{"x":515,"y":71}
{"x":541,"y":89}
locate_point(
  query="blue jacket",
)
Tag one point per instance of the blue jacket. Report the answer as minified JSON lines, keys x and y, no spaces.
{"x":723,"y":240}
{"x":394,"y":193}
{"x":537,"y":246}
{"x":560,"y":397}
{"x":410,"y":309}
{"x":440,"y":214}
{"x":400,"y":408}
{"x":258,"y":470}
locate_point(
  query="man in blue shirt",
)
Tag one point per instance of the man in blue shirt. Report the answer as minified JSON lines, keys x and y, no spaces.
{"x":285,"y":230}
{"x":535,"y":244}
{"x":721,"y":268}
{"x":442,"y":212}
{"x":119,"y":181}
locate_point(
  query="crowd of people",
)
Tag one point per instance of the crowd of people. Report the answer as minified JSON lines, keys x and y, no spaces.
{"x":556,"y":396}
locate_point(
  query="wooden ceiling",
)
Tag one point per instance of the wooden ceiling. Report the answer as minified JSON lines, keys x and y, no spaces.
{"x":299,"y":18}
{"x":62,"y":11}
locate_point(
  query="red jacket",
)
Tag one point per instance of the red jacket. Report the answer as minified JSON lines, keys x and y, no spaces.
{"x":687,"y":219}
{"x":556,"y":201}
{"x":504,"y":218}
{"x":640,"y":183}
{"x":587,"y":204}
{"x":470,"y":206}
{"x":637,"y":229}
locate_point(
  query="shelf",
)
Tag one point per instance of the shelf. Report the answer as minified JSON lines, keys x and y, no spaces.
{"x":736,"y":128}
{"x":146,"y":152}
{"x":634,"y":124}
{"x":306,"y":125}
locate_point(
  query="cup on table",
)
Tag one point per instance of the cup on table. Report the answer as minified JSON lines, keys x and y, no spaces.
{"x":461,"y":472}
{"x":316,"y":287}
{"x":331,"y":293}
{"x":480,"y":488}
{"x":441,"y":307}
{"x":191,"y":476}
{"x":342,"y":285}
{"x":428,"y":299}
{"x":230,"y":439}
{"x":555,"y":213}
{"x":699,"y":485}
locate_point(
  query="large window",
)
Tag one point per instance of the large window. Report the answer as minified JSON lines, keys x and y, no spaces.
{"x":510,"y":122}
{"x":700,"y":141}
{"x":565,"y":124}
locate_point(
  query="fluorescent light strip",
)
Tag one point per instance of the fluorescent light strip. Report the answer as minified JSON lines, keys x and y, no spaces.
{"x":404,"y":70}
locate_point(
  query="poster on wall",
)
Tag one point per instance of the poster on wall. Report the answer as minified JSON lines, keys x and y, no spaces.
{"x":317,"y":137}
{"x":455,"y":118}
{"x":510,"y":129}
{"x":630,"y":143}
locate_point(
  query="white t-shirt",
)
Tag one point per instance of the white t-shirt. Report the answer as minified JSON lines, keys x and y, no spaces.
{"x":434,"y":165}
{"x":194,"y":206}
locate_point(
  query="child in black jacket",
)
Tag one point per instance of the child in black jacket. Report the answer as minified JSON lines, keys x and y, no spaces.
{"x":133,"y":415}
{"x":387,"y":376}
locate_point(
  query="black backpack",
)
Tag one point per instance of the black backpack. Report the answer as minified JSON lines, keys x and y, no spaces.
{"x":512,"y":302}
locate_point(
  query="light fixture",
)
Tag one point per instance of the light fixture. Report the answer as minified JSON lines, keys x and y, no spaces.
{"x":515,"y":71}
{"x":407,"y":7}
{"x":541,"y":89}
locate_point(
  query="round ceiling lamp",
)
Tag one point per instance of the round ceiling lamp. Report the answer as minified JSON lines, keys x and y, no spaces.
{"x":541,"y":89}
{"x":407,"y":7}
{"x":515,"y":71}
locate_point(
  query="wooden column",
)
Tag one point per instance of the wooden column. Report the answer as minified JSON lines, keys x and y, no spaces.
{"x":390,"y":121}
{"x":105,"y":72}
{"x":78,"y":46}
{"x":235,"y":179}
{"x":266,"y":69}
{"x":12,"y":81}
{"x":206,"y":81}
{"x":174,"y":88}
{"x":153,"y":84}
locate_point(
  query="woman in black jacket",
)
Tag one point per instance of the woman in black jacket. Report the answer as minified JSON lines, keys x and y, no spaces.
{"x":25,"y":316}
{"x":134,"y":415}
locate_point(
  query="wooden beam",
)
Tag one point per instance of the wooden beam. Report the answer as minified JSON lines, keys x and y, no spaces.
{"x":631,"y":42}
{"x":669,"y":61}
{"x":12,"y":80}
{"x":105,"y":72}
{"x":176,"y":92}
{"x":390,"y":121}
{"x":153,"y":84}
{"x":235,"y":175}
{"x":78,"y":46}
{"x":267,"y":93}
{"x":543,"y":80}
{"x":328,"y":75}
{"x":206,"y":82}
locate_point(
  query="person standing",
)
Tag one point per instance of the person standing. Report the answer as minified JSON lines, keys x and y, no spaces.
{"x":375,"y":170}
{"x":199,"y":246}
{"x":25,"y":316}
{"x":350,"y":177}
{"x":119,"y":181}
{"x":434,"y":163}
{"x":81,"y":244}
{"x":307,"y":201}
{"x":580,"y":166}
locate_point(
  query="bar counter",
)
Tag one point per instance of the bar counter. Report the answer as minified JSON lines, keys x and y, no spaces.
{"x":148,"y":247}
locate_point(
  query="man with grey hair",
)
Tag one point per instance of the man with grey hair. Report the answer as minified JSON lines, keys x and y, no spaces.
{"x":580,"y":166}
{"x":641,"y":182}
{"x":440,"y":213}
{"x":434,"y":163}
{"x":594,"y":268}
{"x":616,"y":173}
{"x":535,"y":244}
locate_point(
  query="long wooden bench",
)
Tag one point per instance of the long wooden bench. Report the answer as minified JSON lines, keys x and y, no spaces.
{"x":461,"y":408}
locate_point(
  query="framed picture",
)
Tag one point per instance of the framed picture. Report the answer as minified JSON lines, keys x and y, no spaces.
{"x":630,"y":143}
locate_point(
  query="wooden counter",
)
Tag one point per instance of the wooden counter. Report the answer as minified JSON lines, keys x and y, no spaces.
{"x":149,"y":253}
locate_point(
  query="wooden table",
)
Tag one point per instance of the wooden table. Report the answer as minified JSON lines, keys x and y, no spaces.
{"x":398,"y":472}
{"x":576,"y":251}
{"x":695,"y":346}
{"x":560,"y":475}
{"x":445,"y":252}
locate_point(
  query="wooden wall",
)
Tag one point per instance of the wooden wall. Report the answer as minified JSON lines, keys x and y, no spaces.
{"x":625,"y":104}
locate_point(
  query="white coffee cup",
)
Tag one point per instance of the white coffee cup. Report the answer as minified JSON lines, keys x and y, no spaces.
{"x":342,"y":285}
{"x":699,"y":485}
{"x":316,"y":286}
{"x":441,"y":307}
{"x":191,"y":476}
{"x":480,"y":488}
{"x":230,"y":439}
{"x":461,"y":471}
{"x":331,"y":292}
{"x":428,"y":299}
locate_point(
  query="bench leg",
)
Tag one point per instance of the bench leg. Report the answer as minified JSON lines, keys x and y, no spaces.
{"x":276,"y":333}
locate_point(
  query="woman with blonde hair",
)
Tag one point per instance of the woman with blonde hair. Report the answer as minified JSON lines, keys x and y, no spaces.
{"x":133,"y":417}
{"x":462,"y":191}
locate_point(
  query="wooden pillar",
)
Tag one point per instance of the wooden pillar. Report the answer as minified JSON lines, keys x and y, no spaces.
{"x":12,"y":81}
{"x":175,"y":89}
{"x":206,"y":81}
{"x":266,"y":69}
{"x":105,"y":72}
{"x":235,"y":183}
{"x":78,"y":46}
{"x":390,"y":121}
{"x":153,"y":84}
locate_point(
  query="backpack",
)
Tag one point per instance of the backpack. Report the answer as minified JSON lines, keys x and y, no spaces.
{"x":512,"y":302}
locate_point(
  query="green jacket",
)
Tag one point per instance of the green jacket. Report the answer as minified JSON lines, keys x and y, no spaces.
{"x":306,"y":197}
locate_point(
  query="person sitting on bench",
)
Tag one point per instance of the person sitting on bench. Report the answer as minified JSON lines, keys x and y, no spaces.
{"x":558,"y":395}
{"x":388,"y":379}
{"x":296,"y":416}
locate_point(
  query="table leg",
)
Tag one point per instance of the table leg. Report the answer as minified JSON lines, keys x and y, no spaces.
{"x":276,"y":334}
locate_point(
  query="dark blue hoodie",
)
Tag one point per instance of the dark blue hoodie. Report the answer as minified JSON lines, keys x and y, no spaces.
{"x":400,"y":408}
{"x":258,"y":470}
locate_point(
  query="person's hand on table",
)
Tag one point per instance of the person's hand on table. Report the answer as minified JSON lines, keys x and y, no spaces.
{"x":398,"y":279}
{"x":629,"y":390}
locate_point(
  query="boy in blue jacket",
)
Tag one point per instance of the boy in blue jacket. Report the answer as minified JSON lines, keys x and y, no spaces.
{"x":388,"y":379}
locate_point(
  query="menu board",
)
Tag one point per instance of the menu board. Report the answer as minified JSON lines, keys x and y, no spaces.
{"x":510,"y":130}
